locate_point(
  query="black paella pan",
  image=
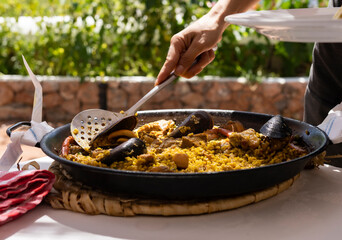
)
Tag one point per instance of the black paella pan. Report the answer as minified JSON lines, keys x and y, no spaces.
{"x":190,"y":185}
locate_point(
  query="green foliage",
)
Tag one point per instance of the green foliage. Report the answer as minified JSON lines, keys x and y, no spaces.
{"x":131,"y":37}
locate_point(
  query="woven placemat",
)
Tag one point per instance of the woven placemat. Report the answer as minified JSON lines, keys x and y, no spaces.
{"x":77,"y":197}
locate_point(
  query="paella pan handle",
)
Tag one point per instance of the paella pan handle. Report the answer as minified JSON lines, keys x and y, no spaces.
{"x":18,"y":125}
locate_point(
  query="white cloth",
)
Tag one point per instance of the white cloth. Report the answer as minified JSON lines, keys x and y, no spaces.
{"x":332,"y":124}
{"x":33,"y":135}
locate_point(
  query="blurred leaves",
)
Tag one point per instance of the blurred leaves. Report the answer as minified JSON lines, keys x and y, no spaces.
{"x":129,"y":37}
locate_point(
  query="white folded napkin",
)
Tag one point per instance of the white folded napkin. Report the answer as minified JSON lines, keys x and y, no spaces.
{"x":31,"y":136}
{"x":332,"y":124}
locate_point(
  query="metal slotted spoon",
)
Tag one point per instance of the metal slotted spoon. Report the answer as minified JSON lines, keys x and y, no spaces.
{"x":93,"y":124}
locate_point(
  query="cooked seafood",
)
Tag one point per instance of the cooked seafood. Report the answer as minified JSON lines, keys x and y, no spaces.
{"x":276,"y":127}
{"x":195,"y":145}
{"x":195,"y":123}
{"x":130,"y":148}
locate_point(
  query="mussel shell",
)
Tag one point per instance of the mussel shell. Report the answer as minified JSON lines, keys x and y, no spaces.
{"x":128,"y":123}
{"x":196,"y":122}
{"x":276,"y":127}
{"x":131,"y":148}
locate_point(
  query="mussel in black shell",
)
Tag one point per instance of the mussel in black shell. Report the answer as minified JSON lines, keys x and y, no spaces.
{"x":127,"y":123}
{"x":131,"y":148}
{"x":197,"y":122}
{"x":276,"y":128}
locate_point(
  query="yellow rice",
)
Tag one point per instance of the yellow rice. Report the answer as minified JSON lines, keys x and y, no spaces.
{"x":212,"y":156}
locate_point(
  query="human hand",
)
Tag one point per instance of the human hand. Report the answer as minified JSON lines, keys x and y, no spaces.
{"x":195,"y":41}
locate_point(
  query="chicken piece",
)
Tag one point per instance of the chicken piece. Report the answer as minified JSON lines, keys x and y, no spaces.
{"x":181,"y":160}
{"x":212,"y":134}
{"x":169,"y":142}
{"x":145,"y":159}
{"x":194,"y":140}
{"x":246,"y":139}
{"x":148,"y":139}
{"x":161,"y":127}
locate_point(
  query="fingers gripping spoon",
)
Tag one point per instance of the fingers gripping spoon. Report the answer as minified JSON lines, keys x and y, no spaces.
{"x":90,"y":126}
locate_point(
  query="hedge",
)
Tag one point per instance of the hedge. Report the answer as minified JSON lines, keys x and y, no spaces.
{"x":130,"y":37}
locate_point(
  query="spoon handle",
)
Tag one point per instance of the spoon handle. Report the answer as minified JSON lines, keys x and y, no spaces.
{"x":155,"y":90}
{"x":150,"y":94}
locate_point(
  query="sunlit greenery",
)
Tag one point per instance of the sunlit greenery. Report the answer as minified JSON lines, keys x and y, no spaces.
{"x":131,"y":37}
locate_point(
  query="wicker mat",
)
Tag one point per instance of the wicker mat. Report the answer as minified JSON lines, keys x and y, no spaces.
{"x":77,"y":197}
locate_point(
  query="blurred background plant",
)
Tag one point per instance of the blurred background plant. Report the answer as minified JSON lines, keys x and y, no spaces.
{"x":89,"y":38}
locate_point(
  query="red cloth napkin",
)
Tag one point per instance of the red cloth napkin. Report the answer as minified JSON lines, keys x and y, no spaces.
{"x":21,"y":191}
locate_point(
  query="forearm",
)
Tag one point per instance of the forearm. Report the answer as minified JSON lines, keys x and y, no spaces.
{"x":199,"y":39}
{"x":226,"y":7}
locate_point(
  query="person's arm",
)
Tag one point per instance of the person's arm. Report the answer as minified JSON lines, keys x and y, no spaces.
{"x":199,"y":39}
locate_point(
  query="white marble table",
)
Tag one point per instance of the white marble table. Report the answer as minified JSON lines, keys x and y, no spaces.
{"x":310,"y":209}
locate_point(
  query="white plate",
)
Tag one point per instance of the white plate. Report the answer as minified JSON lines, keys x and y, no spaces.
{"x":295,"y":25}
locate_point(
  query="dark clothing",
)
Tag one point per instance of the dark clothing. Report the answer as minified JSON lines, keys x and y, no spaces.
{"x":324,"y":90}
{"x":337,"y":3}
